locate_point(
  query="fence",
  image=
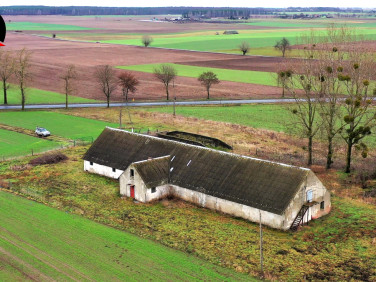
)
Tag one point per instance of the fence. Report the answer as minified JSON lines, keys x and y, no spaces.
{"x":37,"y":151}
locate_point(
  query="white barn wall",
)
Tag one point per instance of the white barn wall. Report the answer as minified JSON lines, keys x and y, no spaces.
{"x":320,"y":193}
{"x":102,"y":170}
{"x":284,"y":221}
{"x":143,"y":194}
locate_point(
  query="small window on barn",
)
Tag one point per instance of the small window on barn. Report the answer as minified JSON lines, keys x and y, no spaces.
{"x":91,"y":163}
{"x":113,"y":169}
{"x":309,"y":196}
{"x":322,"y":205}
{"x":154,"y":189}
{"x":132,"y":172}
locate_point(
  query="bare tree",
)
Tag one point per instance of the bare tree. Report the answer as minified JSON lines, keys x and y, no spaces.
{"x":207,"y":79}
{"x":283,"y":77}
{"x":146,"y":40}
{"x":68,"y":76}
{"x":283,"y":45}
{"x":359,"y":117}
{"x":7,"y":67}
{"x":23,"y":73}
{"x":303,"y":88}
{"x":127,"y":82}
{"x":106,"y":78}
{"x":244,"y":47}
{"x":165,"y":73}
{"x":329,"y":61}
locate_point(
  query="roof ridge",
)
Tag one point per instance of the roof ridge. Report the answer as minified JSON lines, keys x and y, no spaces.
{"x":209,"y":149}
{"x":152,"y":159}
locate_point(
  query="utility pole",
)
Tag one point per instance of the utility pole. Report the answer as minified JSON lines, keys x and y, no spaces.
{"x":173,"y":89}
{"x":261,"y":252}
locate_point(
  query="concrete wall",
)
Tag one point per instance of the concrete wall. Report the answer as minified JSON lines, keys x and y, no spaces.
{"x":144,"y":194}
{"x":320,"y":193}
{"x":102,"y":170}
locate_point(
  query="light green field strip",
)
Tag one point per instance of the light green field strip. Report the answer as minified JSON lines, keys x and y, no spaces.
{"x":43,"y":26}
{"x":288,"y":23}
{"x":256,"y":77}
{"x":39,"y":96}
{"x":58,"y":124}
{"x":208,"y":41}
{"x":212,"y":42}
{"x":13,"y":144}
{"x":38,"y":240}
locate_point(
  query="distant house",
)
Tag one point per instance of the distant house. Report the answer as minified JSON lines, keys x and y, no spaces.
{"x":150,"y":168}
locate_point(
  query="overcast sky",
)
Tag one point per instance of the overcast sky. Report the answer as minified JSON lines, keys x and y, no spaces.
{"x":196,"y":3}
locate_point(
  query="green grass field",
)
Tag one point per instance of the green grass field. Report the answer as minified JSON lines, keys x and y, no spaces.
{"x":335,"y":247}
{"x":13,"y":144}
{"x":39,"y":96}
{"x":39,"y":242}
{"x":58,"y":124}
{"x":43,"y":26}
{"x":258,"y":116}
{"x":256,"y":77}
{"x":273,"y":116}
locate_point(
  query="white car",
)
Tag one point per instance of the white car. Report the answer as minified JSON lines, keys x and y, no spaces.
{"x":42,"y":132}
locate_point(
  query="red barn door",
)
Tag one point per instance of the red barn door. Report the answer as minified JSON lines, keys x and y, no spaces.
{"x":132,"y":191}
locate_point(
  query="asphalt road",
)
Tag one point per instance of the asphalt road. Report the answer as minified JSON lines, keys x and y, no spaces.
{"x":148,"y":104}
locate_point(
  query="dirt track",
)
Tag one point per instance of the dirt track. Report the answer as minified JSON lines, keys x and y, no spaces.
{"x":51,"y":57}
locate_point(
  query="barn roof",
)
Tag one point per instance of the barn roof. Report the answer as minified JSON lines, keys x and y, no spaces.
{"x":154,"y":172}
{"x":261,"y":184}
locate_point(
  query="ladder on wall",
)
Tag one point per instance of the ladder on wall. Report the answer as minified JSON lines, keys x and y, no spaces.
{"x":299,"y":218}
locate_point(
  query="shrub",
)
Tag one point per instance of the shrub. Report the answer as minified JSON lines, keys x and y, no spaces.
{"x":48,"y":159}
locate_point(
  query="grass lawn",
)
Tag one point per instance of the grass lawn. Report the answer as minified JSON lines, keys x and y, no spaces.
{"x":58,"y":124}
{"x":39,"y":96}
{"x":256,"y":77}
{"x":43,"y":26}
{"x":258,"y":116}
{"x":37,"y":240}
{"x":273,"y":117}
{"x":14,"y":144}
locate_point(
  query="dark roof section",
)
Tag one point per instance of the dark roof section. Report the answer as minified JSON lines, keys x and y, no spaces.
{"x":154,"y":172}
{"x":253,"y":182}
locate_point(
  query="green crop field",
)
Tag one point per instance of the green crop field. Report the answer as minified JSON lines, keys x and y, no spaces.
{"x":43,"y":26}
{"x":13,"y":144}
{"x":39,"y":96}
{"x":209,"y":40}
{"x":40,"y":243}
{"x":288,"y":23}
{"x":335,"y":247}
{"x":58,"y":124}
{"x":256,"y":77}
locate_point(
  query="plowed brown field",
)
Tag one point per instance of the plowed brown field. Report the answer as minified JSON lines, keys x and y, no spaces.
{"x":50,"y":57}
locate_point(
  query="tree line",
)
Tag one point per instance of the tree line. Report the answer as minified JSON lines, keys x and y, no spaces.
{"x":185,"y":11}
{"x":333,"y":89}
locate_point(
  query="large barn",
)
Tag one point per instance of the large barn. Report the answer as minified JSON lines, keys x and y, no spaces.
{"x":150,"y":168}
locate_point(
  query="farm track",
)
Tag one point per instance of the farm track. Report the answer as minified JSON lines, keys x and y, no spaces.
{"x":29,"y":132}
